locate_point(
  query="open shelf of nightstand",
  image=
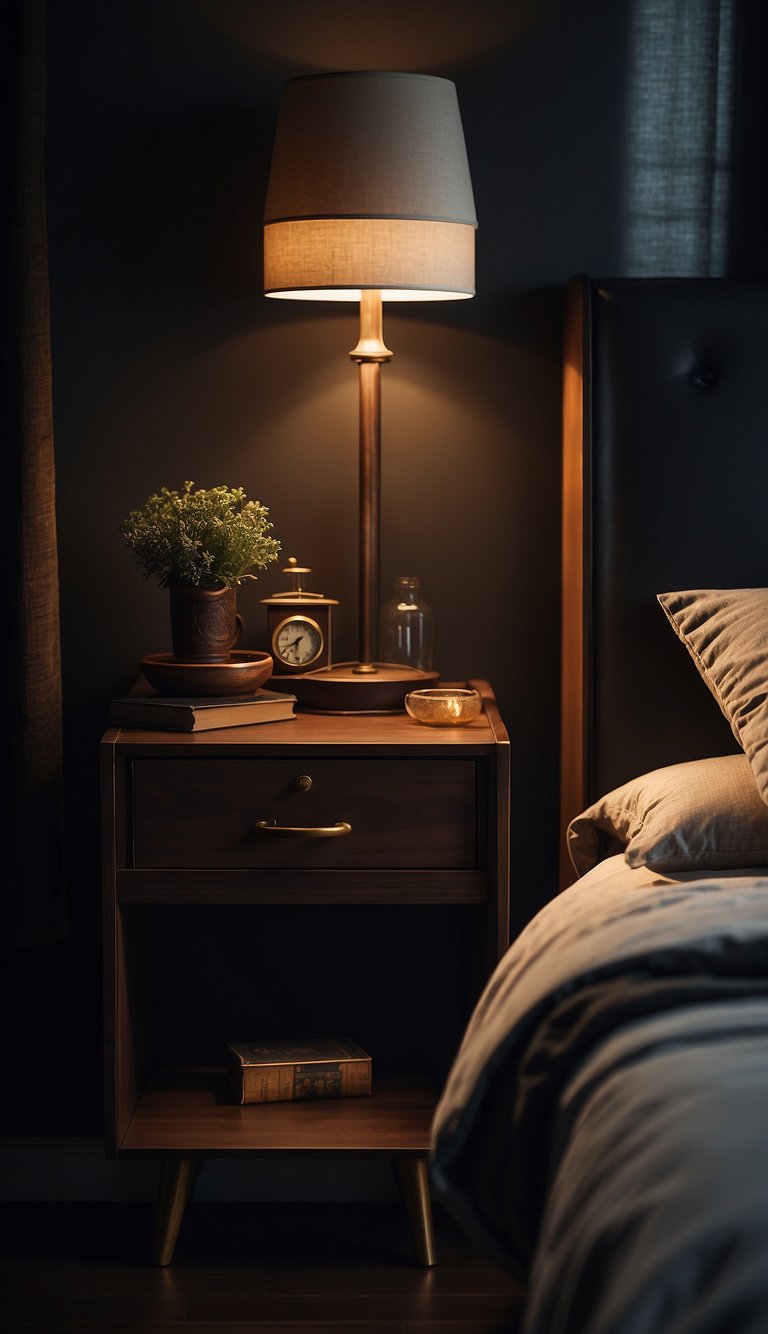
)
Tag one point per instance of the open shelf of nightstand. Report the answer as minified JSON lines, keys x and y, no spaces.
{"x":191,"y":1112}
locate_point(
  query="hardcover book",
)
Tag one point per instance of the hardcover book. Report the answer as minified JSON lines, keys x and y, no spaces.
{"x":293,"y":1070}
{"x":168,"y":713}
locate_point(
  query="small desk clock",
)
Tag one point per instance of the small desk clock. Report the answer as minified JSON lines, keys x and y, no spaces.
{"x":299,"y":625}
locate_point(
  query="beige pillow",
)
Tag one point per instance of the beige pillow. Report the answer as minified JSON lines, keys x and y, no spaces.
{"x":726,"y":633}
{"x":702,"y":815}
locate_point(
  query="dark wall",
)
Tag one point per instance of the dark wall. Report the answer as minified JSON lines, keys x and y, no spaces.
{"x":169,"y":364}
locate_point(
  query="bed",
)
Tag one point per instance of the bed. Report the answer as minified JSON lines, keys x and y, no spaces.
{"x":603,"y":1131}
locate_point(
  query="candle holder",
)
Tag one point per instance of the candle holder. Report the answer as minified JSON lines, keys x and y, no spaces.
{"x":443,"y":706}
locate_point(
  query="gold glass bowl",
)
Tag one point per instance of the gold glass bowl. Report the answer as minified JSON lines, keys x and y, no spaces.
{"x":443,"y":707}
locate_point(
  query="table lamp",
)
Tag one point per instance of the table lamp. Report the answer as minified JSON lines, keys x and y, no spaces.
{"x":369,"y":200}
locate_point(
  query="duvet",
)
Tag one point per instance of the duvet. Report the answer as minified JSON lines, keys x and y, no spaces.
{"x":604,"y":1129}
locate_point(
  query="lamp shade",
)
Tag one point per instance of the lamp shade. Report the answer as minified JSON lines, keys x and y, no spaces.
{"x":369,"y":189}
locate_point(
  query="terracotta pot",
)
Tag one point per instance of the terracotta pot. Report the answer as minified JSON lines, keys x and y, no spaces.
{"x":205,"y":623}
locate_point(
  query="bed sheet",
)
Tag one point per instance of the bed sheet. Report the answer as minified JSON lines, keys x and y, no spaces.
{"x":604,"y":1129}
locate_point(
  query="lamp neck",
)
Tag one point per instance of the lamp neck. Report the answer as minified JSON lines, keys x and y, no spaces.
{"x":370,"y":345}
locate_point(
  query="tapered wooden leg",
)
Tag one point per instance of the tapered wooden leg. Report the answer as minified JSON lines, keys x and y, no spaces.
{"x":413,"y":1180}
{"x":177,"y":1180}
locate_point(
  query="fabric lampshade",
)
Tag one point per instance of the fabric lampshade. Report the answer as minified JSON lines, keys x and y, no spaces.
{"x":369,"y":190}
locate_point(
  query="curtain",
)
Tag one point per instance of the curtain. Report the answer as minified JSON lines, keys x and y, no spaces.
{"x":679,"y":138}
{"x":32,"y":900}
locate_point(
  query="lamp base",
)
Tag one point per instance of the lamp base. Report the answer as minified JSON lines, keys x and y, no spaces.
{"x":341,"y":689}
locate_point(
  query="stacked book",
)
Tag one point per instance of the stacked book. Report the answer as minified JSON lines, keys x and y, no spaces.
{"x":168,"y":713}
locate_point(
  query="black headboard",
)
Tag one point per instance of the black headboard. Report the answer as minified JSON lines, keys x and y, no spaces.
{"x":665,"y":486}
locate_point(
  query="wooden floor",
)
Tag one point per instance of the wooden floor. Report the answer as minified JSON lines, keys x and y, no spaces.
{"x":238,"y":1268}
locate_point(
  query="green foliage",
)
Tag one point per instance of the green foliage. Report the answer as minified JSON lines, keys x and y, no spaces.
{"x":206,"y":538}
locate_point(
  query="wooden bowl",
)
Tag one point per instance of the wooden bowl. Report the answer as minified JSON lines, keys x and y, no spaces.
{"x":240,"y":674}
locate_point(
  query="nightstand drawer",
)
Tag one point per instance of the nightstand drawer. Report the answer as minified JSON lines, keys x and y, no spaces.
{"x":415,"y":813}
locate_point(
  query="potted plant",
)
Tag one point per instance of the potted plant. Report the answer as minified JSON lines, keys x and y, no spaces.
{"x":201,"y":544}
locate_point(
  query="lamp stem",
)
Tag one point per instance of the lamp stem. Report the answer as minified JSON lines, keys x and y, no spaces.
{"x":369,"y":354}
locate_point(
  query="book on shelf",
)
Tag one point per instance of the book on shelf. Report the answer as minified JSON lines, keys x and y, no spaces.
{"x":294,"y":1070}
{"x":174,"y":713}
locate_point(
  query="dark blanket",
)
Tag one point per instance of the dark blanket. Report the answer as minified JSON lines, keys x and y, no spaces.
{"x":604,"y":1130}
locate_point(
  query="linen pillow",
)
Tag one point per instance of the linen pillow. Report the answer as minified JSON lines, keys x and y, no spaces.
{"x":699,"y":815}
{"x":726,"y":633}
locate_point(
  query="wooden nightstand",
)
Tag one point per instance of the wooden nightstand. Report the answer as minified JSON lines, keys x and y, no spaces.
{"x":214,"y":932}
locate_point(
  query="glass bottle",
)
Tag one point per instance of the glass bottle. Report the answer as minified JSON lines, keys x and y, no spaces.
{"x":406,"y":626}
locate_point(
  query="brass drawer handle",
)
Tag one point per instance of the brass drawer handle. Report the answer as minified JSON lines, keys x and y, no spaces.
{"x":303,"y":831}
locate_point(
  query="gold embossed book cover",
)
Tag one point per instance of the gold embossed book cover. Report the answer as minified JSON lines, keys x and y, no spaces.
{"x":291,"y":1070}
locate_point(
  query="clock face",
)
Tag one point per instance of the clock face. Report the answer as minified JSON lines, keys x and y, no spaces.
{"x":297,"y":641}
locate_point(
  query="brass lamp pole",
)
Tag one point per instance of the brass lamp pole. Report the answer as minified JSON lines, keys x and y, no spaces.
{"x":370,"y":354}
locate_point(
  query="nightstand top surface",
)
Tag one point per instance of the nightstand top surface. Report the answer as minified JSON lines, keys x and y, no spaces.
{"x":307,"y":730}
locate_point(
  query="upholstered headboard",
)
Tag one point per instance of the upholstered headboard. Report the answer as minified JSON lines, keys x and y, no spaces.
{"x":665,"y":487}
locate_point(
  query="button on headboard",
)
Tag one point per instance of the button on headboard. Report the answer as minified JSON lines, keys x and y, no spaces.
{"x":665,"y":486}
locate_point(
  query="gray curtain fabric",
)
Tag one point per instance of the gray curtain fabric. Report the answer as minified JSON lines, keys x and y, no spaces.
{"x":32,"y":903}
{"x":679,"y":138}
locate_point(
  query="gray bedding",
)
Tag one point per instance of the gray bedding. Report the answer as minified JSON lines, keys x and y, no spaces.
{"x":604,"y":1129}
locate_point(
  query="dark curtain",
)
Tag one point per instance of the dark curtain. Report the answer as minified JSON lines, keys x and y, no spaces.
{"x":32,"y":895}
{"x":679,"y":137}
